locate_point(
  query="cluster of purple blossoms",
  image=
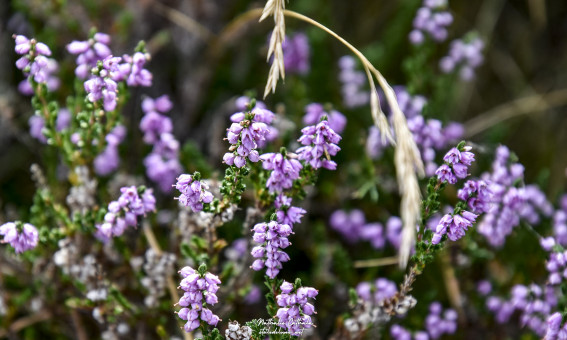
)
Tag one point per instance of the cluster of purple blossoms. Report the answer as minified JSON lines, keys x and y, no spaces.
{"x":108,"y":161}
{"x":193,"y":191}
{"x":162,"y":164}
{"x":21,"y":236}
{"x":272,"y":237}
{"x":433,"y":19}
{"x":200,"y":291}
{"x":352,"y":80}
{"x":399,"y":333}
{"x":533,"y":303}
{"x":134,"y":68}
{"x":383,"y":289}
{"x":456,"y":165}
{"x":295,"y":312}
{"x":103,"y":86}
{"x":411,"y":106}
{"x":437,"y":324}
{"x":242,"y":105}
{"x":35,"y":64}
{"x":296,"y":53}
{"x":557,"y":263}
{"x":89,"y":52}
{"x":353,"y":227}
{"x":284,"y":168}
{"x":247,"y":131}
{"x":454,"y":226}
{"x":554,"y":329}
{"x":429,"y":135}
{"x":314,"y":112}
{"x":286,"y":213}
{"x":507,"y":201}
{"x":37,"y":123}
{"x":477,"y":195}
{"x":320,"y":143}
{"x":560,"y":222}
{"x":464,"y":55}
{"x":124,"y":212}
{"x":536,"y":204}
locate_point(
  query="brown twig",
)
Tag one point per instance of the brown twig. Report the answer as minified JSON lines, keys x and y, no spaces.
{"x":521,"y":106}
{"x":385,"y":261}
{"x":79,"y":328}
{"x":25,"y":322}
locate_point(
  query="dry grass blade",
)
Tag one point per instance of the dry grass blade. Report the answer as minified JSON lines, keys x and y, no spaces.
{"x":378,"y":115}
{"x":407,"y":157}
{"x":408,"y":164}
{"x":181,"y":19}
{"x":277,"y":70}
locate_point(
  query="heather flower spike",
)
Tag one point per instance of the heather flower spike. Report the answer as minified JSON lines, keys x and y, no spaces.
{"x":124,"y":212}
{"x":247,"y":131}
{"x":200,"y":289}
{"x":295,"y":311}
{"x":284,"y":168}
{"x":320,"y":143}
{"x":21,"y":236}
{"x":35,"y":64}
{"x":272,"y":237}
{"x":194,"y":192}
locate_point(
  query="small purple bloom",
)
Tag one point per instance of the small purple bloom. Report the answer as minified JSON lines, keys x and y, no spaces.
{"x":22,"y":237}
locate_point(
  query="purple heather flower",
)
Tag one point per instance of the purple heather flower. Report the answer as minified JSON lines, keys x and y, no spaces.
{"x":349,"y":225}
{"x":399,"y":333}
{"x":296,"y":53}
{"x":456,"y":165}
{"x":284,"y":170}
{"x":108,"y":161}
{"x":271,"y":237}
{"x":352,"y":81}
{"x":477,"y":194}
{"x":286,"y":213}
{"x":445,"y":174}
{"x":431,"y":136}
{"x":314,"y":112}
{"x":89,"y":53}
{"x":21,"y":236}
{"x":320,"y":143}
{"x":35,"y":64}
{"x":383,"y":289}
{"x":464,"y":55}
{"x":554,"y":322}
{"x":295,"y":311}
{"x":375,"y":144}
{"x":154,"y":123}
{"x":411,"y":106}
{"x":374,"y":233}
{"x":507,"y":202}
{"x":245,"y":134}
{"x":200,"y":292}
{"x":193,"y":191}
{"x":394,"y":231}
{"x":454,"y":226}
{"x":437,"y":325}
{"x":124,"y":212}
{"x":253,"y":296}
{"x":484,"y":287}
{"x":133,"y":67}
{"x":533,"y":303}
{"x":431,"y":19}
{"x":162,"y":164}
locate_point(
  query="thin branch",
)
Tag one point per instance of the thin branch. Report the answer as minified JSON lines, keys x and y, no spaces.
{"x":385,"y":261}
{"x":521,"y":106}
{"x":183,"y":20}
{"x":25,"y":322}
